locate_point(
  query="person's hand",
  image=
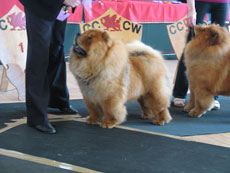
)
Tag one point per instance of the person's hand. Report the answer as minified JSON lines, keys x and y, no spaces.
{"x":72,"y":3}
{"x":191,"y":19}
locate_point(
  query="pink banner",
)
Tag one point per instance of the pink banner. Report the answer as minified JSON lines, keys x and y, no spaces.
{"x":76,"y":17}
{"x":139,"y":11}
{"x":6,"y":5}
{"x":134,"y":10}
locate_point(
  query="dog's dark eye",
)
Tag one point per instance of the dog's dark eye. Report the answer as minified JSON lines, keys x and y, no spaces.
{"x":89,"y":38}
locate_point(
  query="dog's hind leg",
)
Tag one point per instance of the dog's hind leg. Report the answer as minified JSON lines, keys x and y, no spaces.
{"x":159,"y":103}
{"x":147,"y":112}
{"x":203,"y":101}
{"x":162,"y":117}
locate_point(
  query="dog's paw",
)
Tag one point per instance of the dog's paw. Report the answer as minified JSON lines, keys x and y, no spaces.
{"x":157,"y":122}
{"x":107,"y":124}
{"x":195,"y":114}
{"x":187,"y":108}
{"x":162,"y":118}
{"x":162,"y":122}
{"x":148,"y":117}
{"x":91,"y":120}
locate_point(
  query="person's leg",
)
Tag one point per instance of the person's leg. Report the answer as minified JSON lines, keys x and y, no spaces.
{"x":59,"y":95}
{"x":219,"y":13}
{"x":37,"y":86}
{"x":181,"y":83}
{"x":202,"y":8}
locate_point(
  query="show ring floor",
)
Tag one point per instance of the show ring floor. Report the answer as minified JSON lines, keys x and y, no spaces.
{"x":129,"y":147}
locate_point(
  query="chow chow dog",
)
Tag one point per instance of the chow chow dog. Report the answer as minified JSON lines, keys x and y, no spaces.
{"x":111,"y":73}
{"x":207,"y":59}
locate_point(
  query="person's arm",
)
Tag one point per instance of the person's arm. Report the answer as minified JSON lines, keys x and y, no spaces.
{"x":51,"y":2}
{"x":191,"y":19}
{"x":72,"y":3}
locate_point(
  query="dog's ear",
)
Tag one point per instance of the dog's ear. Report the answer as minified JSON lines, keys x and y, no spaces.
{"x":214,"y":37}
{"x":199,"y":28}
{"x":107,"y":38}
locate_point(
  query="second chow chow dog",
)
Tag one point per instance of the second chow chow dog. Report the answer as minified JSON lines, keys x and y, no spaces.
{"x":111,"y":74}
{"x":207,"y":58}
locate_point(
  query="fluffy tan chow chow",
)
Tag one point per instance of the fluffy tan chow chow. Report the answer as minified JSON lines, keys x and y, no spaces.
{"x":111,"y":74}
{"x":207,"y":58}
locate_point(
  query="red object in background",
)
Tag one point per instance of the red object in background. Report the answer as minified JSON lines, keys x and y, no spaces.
{"x":76,"y":17}
{"x":22,"y":48}
{"x":6,"y":5}
{"x":134,"y":10}
{"x":140,"y":11}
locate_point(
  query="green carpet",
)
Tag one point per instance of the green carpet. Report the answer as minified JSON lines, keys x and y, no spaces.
{"x":13,"y":165}
{"x":113,"y":150}
{"x":182,"y":125}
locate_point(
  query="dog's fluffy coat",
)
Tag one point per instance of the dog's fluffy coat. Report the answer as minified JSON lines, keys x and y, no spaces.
{"x":207,"y":59}
{"x":111,"y":74}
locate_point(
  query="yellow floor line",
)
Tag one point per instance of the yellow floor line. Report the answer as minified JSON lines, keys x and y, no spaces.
{"x":44,"y":161}
{"x":83,"y":119}
{"x":148,"y":132}
{"x":79,"y":118}
{"x":12,"y":124}
{"x":183,"y":138}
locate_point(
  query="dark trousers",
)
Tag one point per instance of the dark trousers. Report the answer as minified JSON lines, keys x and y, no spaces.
{"x":218,"y":15}
{"x":45,"y":67}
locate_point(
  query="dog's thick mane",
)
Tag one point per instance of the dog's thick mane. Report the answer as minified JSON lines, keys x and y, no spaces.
{"x":211,"y":40}
{"x":210,"y":49}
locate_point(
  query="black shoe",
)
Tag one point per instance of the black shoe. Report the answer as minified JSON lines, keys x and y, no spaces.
{"x":45,"y":128}
{"x":68,"y":110}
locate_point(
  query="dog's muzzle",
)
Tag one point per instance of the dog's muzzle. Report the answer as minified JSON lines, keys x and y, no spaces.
{"x":78,"y":50}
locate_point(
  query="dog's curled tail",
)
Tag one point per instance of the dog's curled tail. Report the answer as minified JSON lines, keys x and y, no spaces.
{"x":137,"y":48}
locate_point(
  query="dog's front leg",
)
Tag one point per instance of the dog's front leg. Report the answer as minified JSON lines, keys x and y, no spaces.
{"x":203,"y":101}
{"x":191,"y":102}
{"x":114,"y":112}
{"x":95,"y":112}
